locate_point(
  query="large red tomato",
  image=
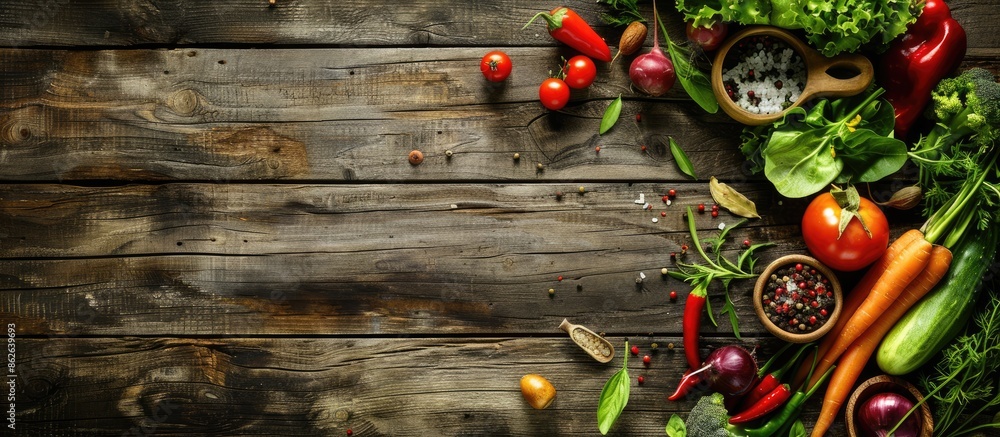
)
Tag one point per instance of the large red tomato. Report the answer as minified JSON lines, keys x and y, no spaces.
{"x":852,"y":250}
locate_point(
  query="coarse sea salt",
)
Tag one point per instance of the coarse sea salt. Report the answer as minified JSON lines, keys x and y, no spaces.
{"x":767,"y":77}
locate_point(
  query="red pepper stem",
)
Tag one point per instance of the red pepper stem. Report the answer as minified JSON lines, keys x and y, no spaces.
{"x":554,"y":20}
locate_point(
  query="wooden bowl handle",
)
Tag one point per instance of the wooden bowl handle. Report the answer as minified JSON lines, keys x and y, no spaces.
{"x":822,"y":84}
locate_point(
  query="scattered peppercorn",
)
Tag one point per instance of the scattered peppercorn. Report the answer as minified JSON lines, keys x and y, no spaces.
{"x":448,"y":153}
{"x":715,"y":214}
{"x":746,"y":243}
{"x":672,"y":193}
{"x":715,"y":207}
{"x":641,"y":379}
{"x":597,"y":149}
{"x":646,"y":360}
{"x":665,"y":199}
{"x":552,"y":292}
{"x":663,"y":271}
{"x":663,"y":213}
{"x":638,"y":117}
{"x":701,"y":208}
{"x":684,"y":249}
{"x":643,"y":148}
{"x":559,"y":195}
{"x":673,"y":295}
{"x":582,"y":190}
{"x":560,"y":278}
{"x":517,"y":156}
{"x":670,"y":346}
{"x":635,"y":350}
{"x":540,"y":166}
{"x":350,"y":432}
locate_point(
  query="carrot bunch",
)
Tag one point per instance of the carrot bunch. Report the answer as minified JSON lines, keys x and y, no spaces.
{"x":910,"y":268}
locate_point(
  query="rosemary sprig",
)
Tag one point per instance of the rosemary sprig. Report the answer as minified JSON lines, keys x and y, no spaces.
{"x":717,"y":267}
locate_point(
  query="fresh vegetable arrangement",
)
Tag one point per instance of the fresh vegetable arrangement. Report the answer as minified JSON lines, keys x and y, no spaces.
{"x":916,"y":294}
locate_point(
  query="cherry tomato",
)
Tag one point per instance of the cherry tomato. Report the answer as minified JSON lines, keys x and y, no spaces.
{"x":554,"y":93}
{"x":854,"y":249}
{"x":580,"y":72}
{"x":708,"y":38}
{"x":495,"y":66}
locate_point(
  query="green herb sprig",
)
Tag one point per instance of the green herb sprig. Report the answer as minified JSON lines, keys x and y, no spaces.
{"x":718,"y":267}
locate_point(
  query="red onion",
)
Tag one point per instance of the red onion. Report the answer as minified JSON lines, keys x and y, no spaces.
{"x":882,"y":411}
{"x":652,"y":72}
{"x":730,"y":370}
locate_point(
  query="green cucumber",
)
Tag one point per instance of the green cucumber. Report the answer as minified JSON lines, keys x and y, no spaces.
{"x":942,"y":314}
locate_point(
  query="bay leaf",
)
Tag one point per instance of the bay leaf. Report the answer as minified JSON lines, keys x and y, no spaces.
{"x":727,"y":197}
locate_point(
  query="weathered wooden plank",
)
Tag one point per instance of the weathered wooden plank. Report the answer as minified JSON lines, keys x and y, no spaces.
{"x":359,"y":259}
{"x":334,"y":22}
{"x":320,"y":115}
{"x":210,"y":259}
{"x":375,"y":387}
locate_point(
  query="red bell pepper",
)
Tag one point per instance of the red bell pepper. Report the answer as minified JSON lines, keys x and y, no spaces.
{"x":567,"y":27}
{"x":931,"y":49}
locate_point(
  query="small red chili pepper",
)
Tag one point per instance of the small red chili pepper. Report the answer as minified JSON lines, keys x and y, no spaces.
{"x":767,"y":404}
{"x":767,"y":384}
{"x":930,"y":50}
{"x":693,"y":308}
{"x":569,"y":28}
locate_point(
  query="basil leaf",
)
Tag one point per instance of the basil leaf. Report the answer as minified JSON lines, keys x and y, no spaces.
{"x":695,"y":82}
{"x":611,"y":115}
{"x":683,"y":163}
{"x":676,"y":426}
{"x":614,"y":397}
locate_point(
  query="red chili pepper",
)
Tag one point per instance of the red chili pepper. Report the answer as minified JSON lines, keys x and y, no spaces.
{"x":931,"y":49}
{"x":567,"y":27}
{"x":765,"y":386}
{"x":693,"y":307}
{"x":765,"y":405}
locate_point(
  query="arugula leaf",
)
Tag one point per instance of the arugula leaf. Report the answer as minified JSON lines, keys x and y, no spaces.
{"x":611,"y":115}
{"x":614,"y":397}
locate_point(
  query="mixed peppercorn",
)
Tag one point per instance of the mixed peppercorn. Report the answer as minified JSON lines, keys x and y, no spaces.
{"x":798,"y":299}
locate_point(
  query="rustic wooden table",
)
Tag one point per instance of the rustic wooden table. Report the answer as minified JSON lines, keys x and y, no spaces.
{"x":208,"y":223}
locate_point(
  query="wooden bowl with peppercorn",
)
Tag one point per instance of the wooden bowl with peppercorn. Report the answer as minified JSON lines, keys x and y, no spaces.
{"x":797,"y":298}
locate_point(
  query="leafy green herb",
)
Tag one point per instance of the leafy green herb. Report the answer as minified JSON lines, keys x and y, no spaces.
{"x":683,"y":163}
{"x":614,"y":397}
{"x":676,"y":426}
{"x":717,"y":267}
{"x":843,"y":141}
{"x":966,"y":378}
{"x":611,"y":115}
{"x":695,"y":82}
{"x":624,"y":12}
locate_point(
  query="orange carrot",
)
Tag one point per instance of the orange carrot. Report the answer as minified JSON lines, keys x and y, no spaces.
{"x":854,"y":299}
{"x":853,"y":361}
{"x":902,"y":270}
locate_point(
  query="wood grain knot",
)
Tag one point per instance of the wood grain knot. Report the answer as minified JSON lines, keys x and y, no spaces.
{"x":184,"y":102}
{"x":15,"y":131}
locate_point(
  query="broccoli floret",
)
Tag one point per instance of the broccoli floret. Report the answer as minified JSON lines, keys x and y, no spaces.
{"x":967,"y":106}
{"x":709,"y":418}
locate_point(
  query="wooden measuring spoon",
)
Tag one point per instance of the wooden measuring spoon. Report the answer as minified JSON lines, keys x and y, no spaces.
{"x":819,"y":82}
{"x":595,"y":345}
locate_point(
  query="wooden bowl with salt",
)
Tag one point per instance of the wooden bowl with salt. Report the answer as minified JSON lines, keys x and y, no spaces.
{"x":858,"y":70}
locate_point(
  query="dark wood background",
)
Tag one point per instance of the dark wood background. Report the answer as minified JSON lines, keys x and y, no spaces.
{"x":208,"y":223}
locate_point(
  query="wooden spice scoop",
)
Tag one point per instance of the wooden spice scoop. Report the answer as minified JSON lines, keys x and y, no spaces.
{"x":819,"y":82}
{"x":595,"y":345}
